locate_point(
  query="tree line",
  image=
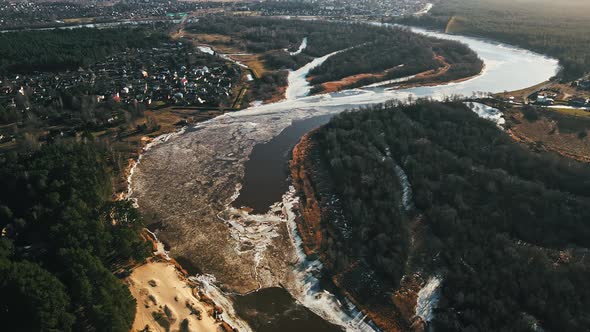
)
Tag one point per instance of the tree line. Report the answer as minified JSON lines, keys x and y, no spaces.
{"x":27,"y":51}
{"x":558,"y":29}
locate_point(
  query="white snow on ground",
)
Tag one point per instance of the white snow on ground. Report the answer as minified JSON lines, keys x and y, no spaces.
{"x":488,"y":113}
{"x":160,"y":251}
{"x":306,"y":286}
{"x":298,"y":85}
{"x":428,"y":299}
{"x":229,"y":58}
{"x":206,"y":49}
{"x":424,"y":10}
{"x":301,"y":48}
{"x":207,"y":283}
{"x":406,"y":188}
{"x":534,"y":323}
{"x":404,"y":182}
{"x":389,"y":82}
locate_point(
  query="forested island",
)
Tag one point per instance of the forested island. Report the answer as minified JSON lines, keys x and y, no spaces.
{"x":505,"y":228}
{"x":367,"y":53}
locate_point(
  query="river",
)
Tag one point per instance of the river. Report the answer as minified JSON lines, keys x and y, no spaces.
{"x":265,"y":180}
{"x":190,"y":184}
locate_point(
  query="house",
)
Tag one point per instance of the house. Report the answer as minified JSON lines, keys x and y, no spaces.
{"x":544,"y":100}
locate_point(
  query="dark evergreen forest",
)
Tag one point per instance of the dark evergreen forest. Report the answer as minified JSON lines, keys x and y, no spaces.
{"x":63,"y":237}
{"x":508,"y":229}
{"x":27,"y":51}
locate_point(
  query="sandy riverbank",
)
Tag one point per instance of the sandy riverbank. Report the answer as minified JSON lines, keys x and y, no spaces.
{"x":166,"y":299}
{"x":163,"y":293}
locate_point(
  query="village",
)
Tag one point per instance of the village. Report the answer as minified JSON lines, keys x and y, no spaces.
{"x":340,"y":8}
{"x":31,"y":14}
{"x":111,"y":93}
{"x":34,"y":14}
{"x":135,"y":76}
{"x":555,"y":95}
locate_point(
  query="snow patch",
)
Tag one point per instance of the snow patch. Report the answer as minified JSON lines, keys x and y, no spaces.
{"x":207,"y":285}
{"x":206,"y":49}
{"x":406,"y":187}
{"x":301,"y":48}
{"x":534,"y":322}
{"x":486,"y":112}
{"x":298,"y":85}
{"x":229,"y":58}
{"x":424,"y":10}
{"x":306,"y":285}
{"x":160,"y":251}
{"x":428,"y":298}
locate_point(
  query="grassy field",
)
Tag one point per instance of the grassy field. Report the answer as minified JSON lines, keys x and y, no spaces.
{"x":571,"y":112}
{"x":254,"y":62}
{"x":225,"y":44}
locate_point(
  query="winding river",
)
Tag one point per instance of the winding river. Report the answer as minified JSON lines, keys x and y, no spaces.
{"x":188,"y":183}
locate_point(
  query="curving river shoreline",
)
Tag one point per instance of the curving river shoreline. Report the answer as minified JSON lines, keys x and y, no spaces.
{"x":188,"y":182}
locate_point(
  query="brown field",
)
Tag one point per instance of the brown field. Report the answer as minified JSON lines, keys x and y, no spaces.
{"x":334,"y":86}
{"x":570,"y":112}
{"x":209,"y":37}
{"x":278,"y":96}
{"x":420,"y":79}
{"x":253,"y":61}
{"x":79,"y":20}
{"x":220,"y":43}
{"x":554,"y":131}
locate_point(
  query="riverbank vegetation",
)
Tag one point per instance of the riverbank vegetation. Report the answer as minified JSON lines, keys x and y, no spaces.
{"x":62,"y":239}
{"x":504,"y":227}
{"x":556,"y":28}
